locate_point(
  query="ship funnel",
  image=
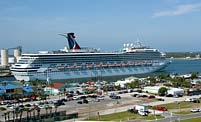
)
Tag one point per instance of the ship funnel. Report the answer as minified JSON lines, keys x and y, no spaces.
{"x":71,"y":40}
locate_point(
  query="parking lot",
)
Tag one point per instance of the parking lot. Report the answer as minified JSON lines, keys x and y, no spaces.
{"x":89,"y":105}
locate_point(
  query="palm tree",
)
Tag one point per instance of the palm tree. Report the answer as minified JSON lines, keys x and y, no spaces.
{"x":5,"y":116}
{"x":56,"y":106}
{"x":21,"y":112}
{"x":16,"y":114}
{"x":27,"y":110}
{"x":50,"y":108}
{"x":46,"y":109}
{"x":30,"y":110}
{"x":38,"y":111}
{"x":34,"y":114}
{"x":13,"y":112}
{"x":8,"y":114}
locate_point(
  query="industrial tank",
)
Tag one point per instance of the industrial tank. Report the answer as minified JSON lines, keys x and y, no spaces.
{"x":17,"y":54}
{"x":4,"y":57}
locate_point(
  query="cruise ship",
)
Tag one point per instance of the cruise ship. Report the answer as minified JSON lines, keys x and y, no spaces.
{"x":75,"y":62}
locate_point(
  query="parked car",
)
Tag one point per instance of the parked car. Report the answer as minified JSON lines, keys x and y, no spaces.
{"x":64,"y":100}
{"x":96,"y":100}
{"x":85,"y":101}
{"x":112,"y":94}
{"x":76,"y":98}
{"x":143,"y":113}
{"x":11,"y":106}
{"x":3,"y":103}
{"x":83,"y":97}
{"x":195,"y":110}
{"x":79,"y":102}
{"x":195,"y":100}
{"x":28,"y":105}
{"x":169,"y":95}
{"x":144,"y":95}
{"x":116,"y":97}
{"x":161,"y":108}
{"x":161,"y":99}
{"x":100,"y":97}
{"x":151,"y":96}
{"x":133,"y":111}
{"x":134,"y":95}
{"x":120,"y":92}
{"x":59,"y":102}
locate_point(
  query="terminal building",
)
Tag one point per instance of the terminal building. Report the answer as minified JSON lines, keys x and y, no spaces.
{"x":171,"y":91}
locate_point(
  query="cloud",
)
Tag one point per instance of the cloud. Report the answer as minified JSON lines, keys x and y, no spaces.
{"x":179,"y":10}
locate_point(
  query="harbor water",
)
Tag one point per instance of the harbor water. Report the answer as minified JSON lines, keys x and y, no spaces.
{"x":177,"y":66}
{"x":183,"y":66}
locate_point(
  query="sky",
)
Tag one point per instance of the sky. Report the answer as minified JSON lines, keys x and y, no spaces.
{"x":168,"y":25}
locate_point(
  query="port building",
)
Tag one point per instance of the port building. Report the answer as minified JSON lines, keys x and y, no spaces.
{"x":8,"y":88}
{"x":155,"y":89}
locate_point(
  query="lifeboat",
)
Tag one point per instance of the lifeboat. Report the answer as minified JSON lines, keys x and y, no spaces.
{"x":89,"y":66}
{"x":77,"y":66}
{"x":60,"y":67}
{"x":104,"y":65}
{"x":70,"y":67}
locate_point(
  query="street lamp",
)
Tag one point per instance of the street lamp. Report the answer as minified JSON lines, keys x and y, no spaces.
{"x":179,"y":106}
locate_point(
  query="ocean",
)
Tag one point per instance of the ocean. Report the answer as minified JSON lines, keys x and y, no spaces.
{"x":177,"y":66}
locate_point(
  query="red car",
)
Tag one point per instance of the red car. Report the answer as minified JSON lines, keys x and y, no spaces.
{"x":161,"y":108}
{"x":150,"y":97}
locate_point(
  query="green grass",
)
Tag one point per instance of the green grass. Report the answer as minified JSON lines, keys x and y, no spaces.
{"x":182,"y":105}
{"x":152,"y":117}
{"x":123,"y":116}
{"x":183,"y":112}
{"x":192,"y":120}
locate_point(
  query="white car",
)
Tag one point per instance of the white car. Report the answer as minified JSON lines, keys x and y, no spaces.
{"x":142,"y":113}
{"x":188,"y":100}
{"x":100,"y":98}
{"x":76,"y":97}
{"x":11,"y":106}
{"x":195,"y":110}
{"x":191,"y":99}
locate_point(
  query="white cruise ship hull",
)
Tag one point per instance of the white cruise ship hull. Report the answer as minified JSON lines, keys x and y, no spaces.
{"x":64,"y":75}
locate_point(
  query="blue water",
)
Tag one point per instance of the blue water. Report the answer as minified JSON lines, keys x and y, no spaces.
{"x":183,"y":66}
{"x":177,"y":66}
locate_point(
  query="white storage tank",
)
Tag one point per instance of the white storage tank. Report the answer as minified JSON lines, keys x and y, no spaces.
{"x":4,"y":57}
{"x":17,"y":54}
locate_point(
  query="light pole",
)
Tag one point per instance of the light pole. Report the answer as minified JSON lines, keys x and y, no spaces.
{"x":48,"y":80}
{"x":89,"y":109}
{"x":179,"y":106}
